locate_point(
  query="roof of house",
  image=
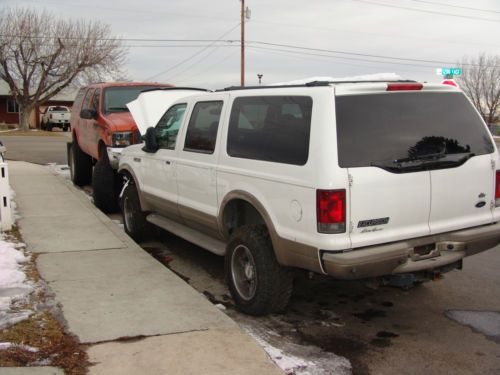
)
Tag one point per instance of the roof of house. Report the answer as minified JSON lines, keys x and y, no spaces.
{"x":66,"y":95}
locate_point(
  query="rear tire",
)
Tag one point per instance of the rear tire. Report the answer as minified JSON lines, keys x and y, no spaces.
{"x":65,"y":128}
{"x":133,"y":218}
{"x":105,"y":185}
{"x":80,"y":165}
{"x":258,"y":284}
{"x":48,"y":126}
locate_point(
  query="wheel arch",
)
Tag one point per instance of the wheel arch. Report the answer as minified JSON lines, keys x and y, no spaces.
{"x":126,"y":171}
{"x":240,"y":208}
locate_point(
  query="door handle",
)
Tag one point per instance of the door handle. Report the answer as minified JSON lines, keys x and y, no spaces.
{"x":138,"y":160}
{"x":167,"y":162}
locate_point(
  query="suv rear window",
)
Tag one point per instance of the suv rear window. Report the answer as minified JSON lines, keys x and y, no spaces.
{"x":270,"y":128}
{"x":383,"y":127}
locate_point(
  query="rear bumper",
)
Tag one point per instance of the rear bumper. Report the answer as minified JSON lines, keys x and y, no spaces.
{"x":403,"y":256}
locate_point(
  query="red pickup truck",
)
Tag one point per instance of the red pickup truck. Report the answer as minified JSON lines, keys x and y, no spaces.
{"x":101,"y":126}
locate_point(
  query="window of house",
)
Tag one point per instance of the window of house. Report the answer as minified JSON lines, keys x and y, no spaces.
{"x":203,"y":125}
{"x":12,"y":106}
{"x":168,"y":126}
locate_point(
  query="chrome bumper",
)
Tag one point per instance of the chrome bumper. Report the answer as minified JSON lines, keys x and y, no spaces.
{"x":114,"y":154}
{"x":406,"y":257}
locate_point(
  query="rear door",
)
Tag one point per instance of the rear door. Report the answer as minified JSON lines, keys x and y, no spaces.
{"x":411,"y":172}
{"x":462,"y":196}
{"x":384,"y":205}
{"x":196,"y":167}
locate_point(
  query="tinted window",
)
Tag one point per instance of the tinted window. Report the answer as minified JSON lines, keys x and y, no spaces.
{"x":58,"y":109}
{"x":95,"y":100}
{"x":116,"y":98}
{"x":384,"y":127}
{"x":270,"y":128}
{"x":78,"y":100}
{"x":87,"y":100}
{"x":168,"y":126}
{"x":202,"y":128}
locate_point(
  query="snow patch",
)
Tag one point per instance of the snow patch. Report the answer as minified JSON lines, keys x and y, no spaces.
{"x":485,"y":322}
{"x":291,"y":364}
{"x":8,"y":345}
{"x":14,"y":287}
{"x":368,"y":77}
{"x":60,"y":169}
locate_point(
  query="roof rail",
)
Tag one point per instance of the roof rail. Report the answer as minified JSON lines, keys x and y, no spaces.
{"x":175,"y":88}
{"x":310,"y":84}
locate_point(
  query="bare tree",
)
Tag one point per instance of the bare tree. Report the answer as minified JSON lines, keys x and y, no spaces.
{"x":480,"y":80}
{"x":40,"y":55}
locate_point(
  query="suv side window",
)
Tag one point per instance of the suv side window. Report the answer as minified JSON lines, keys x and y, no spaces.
{"x":95,"y":100}
{"x":270,"y":128}
{"x":79,"y":99}
{"x":203,"y":125}
{"x":167,"y":128}
{"x":87,"y":100}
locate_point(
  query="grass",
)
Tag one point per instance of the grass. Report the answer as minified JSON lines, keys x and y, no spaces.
{"x":31,"y":133}
{"x":42,"y":331}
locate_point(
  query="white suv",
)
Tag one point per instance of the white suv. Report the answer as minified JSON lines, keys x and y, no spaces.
{"x":353,"y":180}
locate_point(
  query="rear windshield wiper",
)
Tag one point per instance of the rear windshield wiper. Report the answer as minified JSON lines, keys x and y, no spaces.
{"x":423,"y":162}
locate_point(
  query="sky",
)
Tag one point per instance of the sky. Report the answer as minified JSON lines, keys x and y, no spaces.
{"x":289,"y":40}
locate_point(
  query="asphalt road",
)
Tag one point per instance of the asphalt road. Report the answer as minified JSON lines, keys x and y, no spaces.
{"x":37,"y":149}
{"x":381,"y":331}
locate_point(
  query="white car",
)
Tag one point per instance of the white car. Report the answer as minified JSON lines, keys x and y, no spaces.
{"x":56,"y":117}
{"x":350,"y":179}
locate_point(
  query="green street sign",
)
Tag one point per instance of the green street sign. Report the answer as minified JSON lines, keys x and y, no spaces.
{"x":451,"y":71}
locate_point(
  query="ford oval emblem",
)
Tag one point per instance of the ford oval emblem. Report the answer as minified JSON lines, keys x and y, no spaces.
{"x":480,"y":204}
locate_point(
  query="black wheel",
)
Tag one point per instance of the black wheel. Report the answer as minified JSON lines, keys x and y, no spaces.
{"x":65,"y":128}
{"x":134,"y":219}
{"x":258,"y":284}
{"x":105,"y":186}
{"x":48,"y":127}
{"x":80,"y":165}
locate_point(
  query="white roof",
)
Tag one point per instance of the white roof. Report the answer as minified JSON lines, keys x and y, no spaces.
{"x":367,"y":77}
{"x":66,"y":95}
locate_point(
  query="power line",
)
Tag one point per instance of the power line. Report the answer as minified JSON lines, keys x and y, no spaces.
{"x":354,"y":53}
{"x":426,"y":11}
{"x":456,"y":6}
{"x":194,"y":55}
{"x":305,"y":56}
{"x":339,"y":57}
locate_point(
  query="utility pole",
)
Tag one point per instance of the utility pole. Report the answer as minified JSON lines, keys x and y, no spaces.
{"x":242,"y":81}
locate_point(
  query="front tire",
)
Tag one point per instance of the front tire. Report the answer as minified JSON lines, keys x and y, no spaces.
{"x":258,"y":284}
{"x":105,"y":186}
{"x":133,"y":218}
{"x":80,"y":165}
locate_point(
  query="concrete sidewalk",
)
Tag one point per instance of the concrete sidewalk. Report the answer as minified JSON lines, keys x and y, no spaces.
{"x":136,"y":315}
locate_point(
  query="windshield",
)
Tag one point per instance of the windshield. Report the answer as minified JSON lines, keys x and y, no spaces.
{"x":408,"y":131}
{"x":59,"y":109}
{"x":116,"y":98}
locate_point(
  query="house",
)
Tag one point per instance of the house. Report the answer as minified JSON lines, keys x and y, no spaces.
{"x":9,"y":109}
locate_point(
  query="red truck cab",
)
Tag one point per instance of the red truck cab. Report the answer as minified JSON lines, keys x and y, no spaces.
{"x":101,"y":125}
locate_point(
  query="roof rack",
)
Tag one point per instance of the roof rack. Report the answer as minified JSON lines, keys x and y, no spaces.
{"x":310,"y":84}
{"x":175,"y":88}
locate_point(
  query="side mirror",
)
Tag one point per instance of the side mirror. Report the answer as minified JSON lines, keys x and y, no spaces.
{"x":88,"y":114}
{"x":150,"y":139}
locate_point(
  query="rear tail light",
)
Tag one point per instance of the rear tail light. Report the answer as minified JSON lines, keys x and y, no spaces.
{"x":497,"y":189}
{"x":331,"y":211}
{"x":449,"y":82}
{"x":404,"y":86}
